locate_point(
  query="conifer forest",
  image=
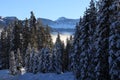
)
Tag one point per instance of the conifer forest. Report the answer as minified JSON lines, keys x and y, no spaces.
{"x":92,"y":53}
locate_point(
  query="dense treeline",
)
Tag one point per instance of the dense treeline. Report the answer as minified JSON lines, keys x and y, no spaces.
{"x":29,"y":44}
{"x":96,"y":51}
{"x":92,"y":54}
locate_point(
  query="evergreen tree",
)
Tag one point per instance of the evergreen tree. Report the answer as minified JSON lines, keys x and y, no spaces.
{"x":33,"y":30}
{"x":12,"y":68}
{"x":54,"y":60}
{"x":58,"y":47}
{"x":17,"y":36}
{"x":92,"y":14}
{"x":75,"y":50}
{"x":69,"y":43}
{"x":102,"y":44}
{"x":48,"y":37}
{"x":45,"y":57}
{"x":82,"y":54}
{"x":19,"y":61}
{"x":26,"y":35}
{"x":114,"y":41}
{"x":4,"y":52}
{"x":35,"y":61}
{"x":50,"y":68}
{"x":31,"y":61}
{"x":32,"y":21}
{"x":40,"y":35}
{"x":83,"y":44}
{"x":27,"y":58}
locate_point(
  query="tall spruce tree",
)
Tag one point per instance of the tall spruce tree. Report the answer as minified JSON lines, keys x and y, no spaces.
{"x":114,"y":40}
{"x":12,"y":68}
{"x":92,"y":13}
{"x":48,"y":37}
{"x":35,"y":60}
{"x":40,"y":35}
{"x":102,"y":44}
{"x":33,"y":30}
{"x":17,"y":36}
{"x":4,"y":51}
{"x":83,"y":43}
{"x":66,"y":61}
{"x":54,"y":60}
{"x":46,"y":61}
{"x":26,"y":35}
{"x":27,"y":58}
{"x":58,"y":47}
{"x":75,"y":50}
{"x":19,"y":60}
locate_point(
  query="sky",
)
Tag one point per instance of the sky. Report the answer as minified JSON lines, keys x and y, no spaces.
{"x":50,"y":9}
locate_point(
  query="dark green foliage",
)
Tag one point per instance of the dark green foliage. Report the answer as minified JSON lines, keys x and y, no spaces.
{"x":58,"y":52}
{"x":4,"y":50}
{"x":18,"y":35}
{"x":96,"y":43}
{"x":68,"y":50}
{"x":114,"y":41}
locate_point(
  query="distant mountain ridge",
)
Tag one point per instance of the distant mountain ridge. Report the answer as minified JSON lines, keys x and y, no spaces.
{"x":61,"y":22}
{"x":5,"y":21}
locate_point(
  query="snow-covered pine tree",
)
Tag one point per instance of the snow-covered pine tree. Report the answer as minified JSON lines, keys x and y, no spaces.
{"x":83,"y":59}
{"x":74,"y":53}
{"x":114,"y":41}
{"x":19,"y":61}
{"x":33,"y":29}
{"x":26,"y":35}
{"x":4,"y":50}
{"x":31,"y":61}
{"x":42,"y":64}
{"x":59,"y":53}
{"x":77,"y":49}
{"x":92,"y":14}
{"x":54,"y":60}
{"x":9,"y":46}
{"x":27,"y":58}
{"x":102,"y":42}
{"x":50,"y":68}
{"x":40,"y":61}
{"x":12,"y":62}
{"x":35,"y":58}
{"x":45,"y":60}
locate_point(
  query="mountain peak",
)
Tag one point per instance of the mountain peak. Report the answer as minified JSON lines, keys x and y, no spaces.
{"x":61,"y":18}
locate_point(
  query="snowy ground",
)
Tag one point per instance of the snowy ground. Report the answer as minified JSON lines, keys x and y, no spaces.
{"x":4,"y":75}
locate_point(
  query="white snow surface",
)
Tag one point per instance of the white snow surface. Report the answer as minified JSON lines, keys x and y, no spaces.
{"x":4,"y":75}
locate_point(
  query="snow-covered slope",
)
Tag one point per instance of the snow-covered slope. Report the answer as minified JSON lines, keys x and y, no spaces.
{"x":4,"y":75}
